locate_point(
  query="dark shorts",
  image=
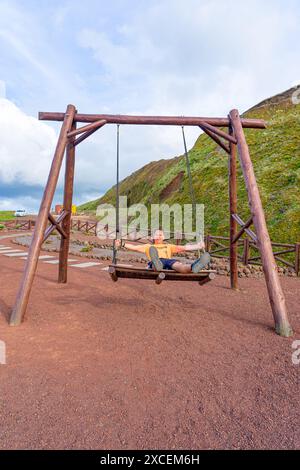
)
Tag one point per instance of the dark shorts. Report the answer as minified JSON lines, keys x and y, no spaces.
{"x":167,"y":263}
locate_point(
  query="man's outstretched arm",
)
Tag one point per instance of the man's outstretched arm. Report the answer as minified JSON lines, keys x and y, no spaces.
{"x":189,"y":247}
{"x":129,"y":246}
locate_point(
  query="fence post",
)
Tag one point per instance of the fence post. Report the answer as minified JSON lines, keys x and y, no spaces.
{"x":246,"y":251}
{"x":207,"y":243}
{"x":297,"y":258}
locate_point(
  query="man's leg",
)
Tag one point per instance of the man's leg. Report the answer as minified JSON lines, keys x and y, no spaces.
{"x":156,"y":263}
{"x":201,"y":262}
{"x":181,"y":268}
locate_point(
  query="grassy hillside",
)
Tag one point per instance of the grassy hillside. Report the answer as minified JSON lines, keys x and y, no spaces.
{"x":6,"y":215}
{"x":275,"y":154}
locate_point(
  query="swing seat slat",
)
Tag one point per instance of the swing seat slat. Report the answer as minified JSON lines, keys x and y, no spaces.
{"x":117,"y":272}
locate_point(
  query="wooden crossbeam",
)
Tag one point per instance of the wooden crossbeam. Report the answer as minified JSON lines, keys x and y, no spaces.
{"x":243,"y":229}
{"x":153,"y":120}
{"x":215,"y":138}
{"x":249,"y":232}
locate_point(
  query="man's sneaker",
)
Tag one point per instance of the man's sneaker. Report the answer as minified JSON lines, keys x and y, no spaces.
{"x":201,"y":262}
{"x":156,"y":263}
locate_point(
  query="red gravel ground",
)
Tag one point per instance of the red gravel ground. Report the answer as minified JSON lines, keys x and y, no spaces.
{"x":99,"y":365}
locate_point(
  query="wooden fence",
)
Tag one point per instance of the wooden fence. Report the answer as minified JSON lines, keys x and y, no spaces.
{"x":84,"y":226}
{"x":18,"y":224}
{"x":248,"y":252}
{"x":219,"y":247}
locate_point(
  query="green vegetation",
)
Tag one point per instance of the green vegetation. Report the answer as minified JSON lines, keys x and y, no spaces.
{"x":6,"y":215}
{"x":275,"y":153}
{"x":87,"y":248}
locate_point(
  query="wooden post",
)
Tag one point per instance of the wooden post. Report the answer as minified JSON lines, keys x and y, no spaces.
{"x":160,"y":278}
{"x":68,"y":198}
{"x":113,"y":273}
{"x":38,"y":235}
{"x":232,"y":168}
{"x":207,"y":243}
{"x":297,"y":259}
{"x":277,"y":299}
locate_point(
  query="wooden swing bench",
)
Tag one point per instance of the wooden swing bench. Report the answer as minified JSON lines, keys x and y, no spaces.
{"x":117,"y":272}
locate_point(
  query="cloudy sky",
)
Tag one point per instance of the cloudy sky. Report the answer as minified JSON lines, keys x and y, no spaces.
{"x":197,"y":57}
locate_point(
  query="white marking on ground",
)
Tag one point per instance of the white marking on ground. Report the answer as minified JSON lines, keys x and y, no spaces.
{"x":40,"y":257}
{"x":85,"y":265}
{"x":15,"y":235}
{"x":16,"y":254}
{"x":56,"y":261}
{"x":9,"y":251}
{"x":105,"y":269}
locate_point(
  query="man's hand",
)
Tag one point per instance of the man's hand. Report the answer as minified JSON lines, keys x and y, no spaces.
{"x":201,"y":245}
{"x":118,"y":243}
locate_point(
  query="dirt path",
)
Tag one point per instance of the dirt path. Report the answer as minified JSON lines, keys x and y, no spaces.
{"x":135,"y":365}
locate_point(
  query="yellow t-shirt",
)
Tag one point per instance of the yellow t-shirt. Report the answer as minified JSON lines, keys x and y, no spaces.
{"x":165,"y":250}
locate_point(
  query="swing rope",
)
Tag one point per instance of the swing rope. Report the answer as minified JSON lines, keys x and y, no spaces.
{"x":188,"y":168}
{"x":115,"y":251}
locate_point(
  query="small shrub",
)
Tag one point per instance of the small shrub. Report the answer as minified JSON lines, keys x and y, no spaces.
{"x":86,"y":249}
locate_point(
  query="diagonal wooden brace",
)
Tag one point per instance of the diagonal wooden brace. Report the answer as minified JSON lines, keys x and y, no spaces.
{"x":55,"y":225}
{"x":245,"y":227}
{"x":219,"y":132}
{"x":94,"y":126}
{"x":215,"y":138}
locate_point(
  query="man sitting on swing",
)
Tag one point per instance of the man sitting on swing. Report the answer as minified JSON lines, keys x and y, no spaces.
{"x":160,"y":254}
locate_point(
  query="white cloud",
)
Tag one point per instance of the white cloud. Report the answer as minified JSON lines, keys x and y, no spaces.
{"x":160,"y":57}
{"x":184,"y":58}
{"x":2,"y":89}
{"x":21,"y":202}
{"x":26,"y":146}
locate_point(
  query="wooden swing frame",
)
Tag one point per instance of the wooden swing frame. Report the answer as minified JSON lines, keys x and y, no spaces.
{"x":232,"y":142}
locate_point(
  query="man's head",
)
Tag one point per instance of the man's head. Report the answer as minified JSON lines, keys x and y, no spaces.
{"x":159,"y":236}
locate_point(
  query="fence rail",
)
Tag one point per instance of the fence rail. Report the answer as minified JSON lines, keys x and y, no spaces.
{"x":248,"y":251}
{"x":18,"y":224}
{"x":218,"y":246}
